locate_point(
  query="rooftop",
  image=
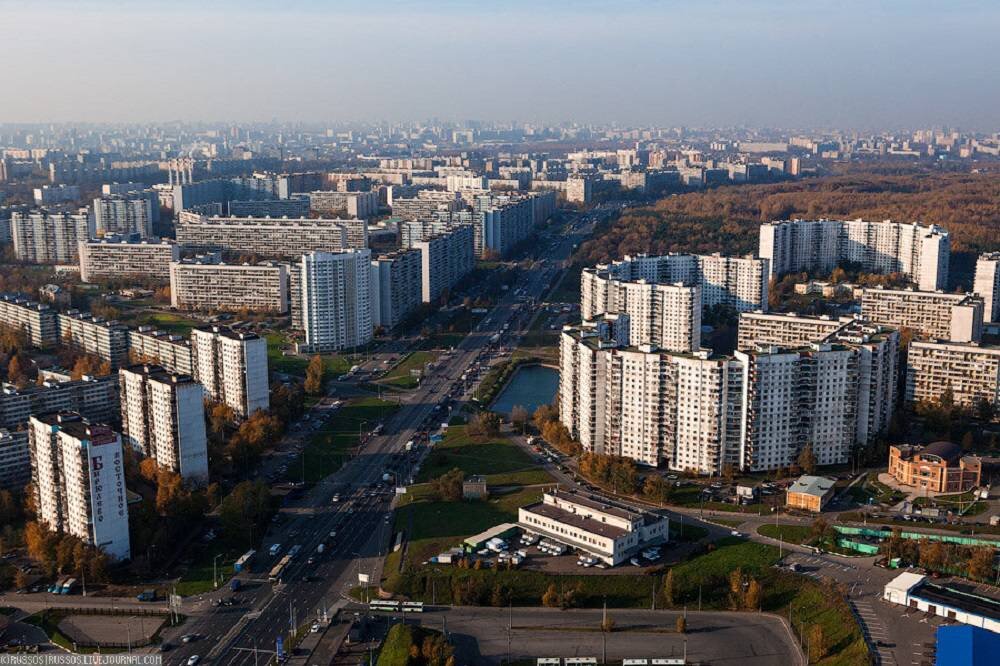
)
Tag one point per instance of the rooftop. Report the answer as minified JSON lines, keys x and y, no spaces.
{"x":576,"y":520}
{"x":811,"y":485}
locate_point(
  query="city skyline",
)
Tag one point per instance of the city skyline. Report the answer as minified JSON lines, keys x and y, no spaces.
{"x":771,"y":64}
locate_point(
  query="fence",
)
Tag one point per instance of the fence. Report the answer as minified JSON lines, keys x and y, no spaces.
{"x":944,"y":538}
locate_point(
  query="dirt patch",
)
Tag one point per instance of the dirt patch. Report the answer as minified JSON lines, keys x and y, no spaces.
{"x":111,"y":630}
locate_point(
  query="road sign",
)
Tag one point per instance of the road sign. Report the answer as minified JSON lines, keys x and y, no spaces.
{"x":363,"y":577}
{"x":174,"y":601}
{"x":280,"y":648}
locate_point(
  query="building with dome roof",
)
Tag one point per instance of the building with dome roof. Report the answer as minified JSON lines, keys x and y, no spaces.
{"x":938,"y":467}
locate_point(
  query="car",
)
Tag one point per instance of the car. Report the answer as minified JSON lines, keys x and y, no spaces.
{"x":635,"y":562}
{"x":315,"y":628}
{"x":166,"y":647}
{"x":189,"y":638}
{"x":311,"y":560}
{"x":193,"y":659}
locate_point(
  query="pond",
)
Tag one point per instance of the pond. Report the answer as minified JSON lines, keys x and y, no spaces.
{"x":531,"y":386}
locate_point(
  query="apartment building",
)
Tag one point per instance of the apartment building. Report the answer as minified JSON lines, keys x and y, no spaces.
{"x":920,"y":252}
{"x":502,"y":221}
{"x":96,"y":398}
{"x":611,"y":534}
{"x":173,"y":352}
{"x":78,"y":477}
{"x":969,"y":370}
{"x":293,"y":208}
{"x":931,"y":315}
{"x":37,"y":320}
{"x":755,"y":410}
{"x":45,"y":237}
{"x":49,"y":195}
{"x":269,"y":236}
{"x":121,"y":257}
{"x":667,"y":316}
{"x":396,"y":286}
{"x":986,"y":285}
{"x":786,"y":329}
{"x":737,"y":282}
{"x":232,"y":366}
{"x":124,"y":214}
{"x":94,"y":335}
{"x":15,"y":460}
{"x":444,"y":260}
{"x":163,"y":418}
{"x":361,"y":205}
{"x":336,"y":300}
{"x":206,"y":283}
{"x":412,"y":231}
{"x":424,"y":204}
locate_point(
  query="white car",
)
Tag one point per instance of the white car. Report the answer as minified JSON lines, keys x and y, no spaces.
{"x":193,"y":659}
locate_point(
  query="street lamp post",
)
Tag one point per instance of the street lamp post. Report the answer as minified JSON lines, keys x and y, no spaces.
{"x":215,"y":568}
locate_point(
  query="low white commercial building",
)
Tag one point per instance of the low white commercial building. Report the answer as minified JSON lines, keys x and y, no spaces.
{"x":915,"y":591}
{"x":610,"y":534}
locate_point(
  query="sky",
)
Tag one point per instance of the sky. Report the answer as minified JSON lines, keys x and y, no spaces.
{"x":759,"y":63}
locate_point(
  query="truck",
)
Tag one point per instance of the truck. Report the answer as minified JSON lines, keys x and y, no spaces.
{"x":146,"y":595}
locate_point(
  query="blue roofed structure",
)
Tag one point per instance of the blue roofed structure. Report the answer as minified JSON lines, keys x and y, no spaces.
{"x":962,"y":645}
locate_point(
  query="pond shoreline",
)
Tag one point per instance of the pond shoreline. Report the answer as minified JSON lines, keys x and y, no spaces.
{"x":514,"y":377}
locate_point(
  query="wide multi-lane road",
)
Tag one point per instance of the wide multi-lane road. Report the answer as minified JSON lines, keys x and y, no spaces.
{"x":229,"y":634}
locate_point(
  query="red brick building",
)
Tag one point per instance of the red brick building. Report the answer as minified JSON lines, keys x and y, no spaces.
{"x":939,"y":467}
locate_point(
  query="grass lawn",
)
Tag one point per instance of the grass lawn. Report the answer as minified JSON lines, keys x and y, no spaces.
{"x":197,"y":579}
{"x":296,"y":365}
{"x":328,"y":448}
{"x":797,"y":534}
{"x":871,"y":490}
{"x":497,"y":458}
{"x":400,"y":375}
{"x":728,"y":522}
{"x":170,"y":322}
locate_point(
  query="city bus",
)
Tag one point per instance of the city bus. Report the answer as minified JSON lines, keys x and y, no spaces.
{"x":279,"y":569}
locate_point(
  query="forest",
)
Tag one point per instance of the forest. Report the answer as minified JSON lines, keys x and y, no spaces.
{"x":725,"y":219}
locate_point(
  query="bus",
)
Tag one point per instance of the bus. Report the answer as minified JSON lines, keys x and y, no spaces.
{"x":279,"y":569}
{"x":244,"y":560}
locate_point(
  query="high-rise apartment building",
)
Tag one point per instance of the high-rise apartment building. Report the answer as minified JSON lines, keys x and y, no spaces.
{"x":739,"y":283}
{"x":785,"y":329}
{"x":94,"y":335}
{"x":210,"y":284}
{"x":44,"y":237}
{"x":920,"y":252}
{"x":931,"y":315}
{"x":15,"y":460}
{"x":971,"y":372}
{"x":336,"y":300}
{"x":444,"y":260}
{"x":95,"y":398}
{"x":273,"y":237}
{"x":755,"y":410}
{"x":37,"y":320}
{"x":163,"y":418}
{"x":78,"y":477}
{"x":124,"y":214}
{"x":146,"y":344}
{"x":119,"y":257}
{"x":396,"y":286}
{"x":987,"y":285}
{"x":232,"y":366}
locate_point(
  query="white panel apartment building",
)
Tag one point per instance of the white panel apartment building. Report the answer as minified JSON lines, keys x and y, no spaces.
{"x":987,"y":285}
{"x":755,"y":410}
{"x":43,"y":237}
{"x":95,"y":398}
{"x":930,"y":314}
{"x":163,"y":418}
{"x":232,"y":366}
{"x":15,"y":460}
{"x":667,"y":316}
{"x":116,"y":257}
{"x":396,"y":286}
{"x":37,"y":320}
{"x":818,"y":246}
{"x":444,"y":260}
{"x":94,"y":335}
{"x":209,"y":284}
{"x":970,"y":371}
{"x":736,"y":282}
{"x":78,"y":474}
{"x":173,"y":352}
{"x":124,"y":214}
{"x":275,"y":237}
{"x":336,"y":300}
{"x":785,"y":329}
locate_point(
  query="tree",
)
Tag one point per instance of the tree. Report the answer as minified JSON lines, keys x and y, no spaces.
{"x":20,"y":580}
{"x":736,"y":589}
{"x":656,"y":489}
{"x":484,"y":424}
{"x":669,"y":589}
{"x":980,"y":563}
{"x":315,"y":375}
{"x":968,"y":441}
{"x":448,"y":486}
{"x":148,"y":469}
{"x":10,"y":508}
{"x":551,"y":597}
{"x":728,"y":472}
{"x":681,"y":625}
{"x":519,"y":417}
{"x":754,"y":595}
{"x":545,"y":414}
{"x":807,"y":459}
{"x":608,"y":624}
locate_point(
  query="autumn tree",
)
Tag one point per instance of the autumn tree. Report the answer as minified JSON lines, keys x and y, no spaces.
{"x":807,"y":459}
{"x":448,"y":486}
{"x":315,"y":375}
{"x":680,"y":625}
{"x":754,"y":595}
{"x":736,"y":589}
{"x":817,"y":643}
{"x":980,"y":563}
{"x":551,"y":597}
{"x":656,"y":489}
{"x":519,"y":417}
{"x":669,"y":589}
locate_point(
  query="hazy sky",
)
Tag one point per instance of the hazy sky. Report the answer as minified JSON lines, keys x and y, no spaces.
{"x":844,"y":63}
